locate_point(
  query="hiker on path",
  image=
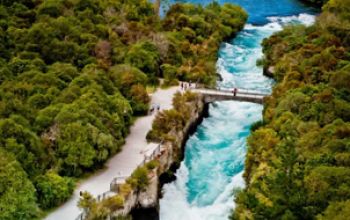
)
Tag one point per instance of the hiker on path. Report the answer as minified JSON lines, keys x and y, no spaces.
{"x":151,"y":110}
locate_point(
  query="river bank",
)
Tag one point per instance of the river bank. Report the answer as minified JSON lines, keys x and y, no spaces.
{"x":214,"y":159}
{"x":144,"y":204}
{"x":139,"y":192}
{"x":123,"y":163}
{"x":297,"y":165}
{"x":166,"y":175}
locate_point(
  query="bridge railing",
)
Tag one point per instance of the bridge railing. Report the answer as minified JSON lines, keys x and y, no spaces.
{"x":230,"y":92}
{"x":243,"y":91}
{"x":227,"y":90}
{"x":239,"y":89}
{"x":120,"y":179}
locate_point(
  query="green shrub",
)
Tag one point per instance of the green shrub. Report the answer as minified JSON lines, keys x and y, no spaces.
{"x":297,"y":165}
{"x":73,"y":76}
{"x":139,"y":179}
{"x":52,"y":189}
{"x":152,"y":164}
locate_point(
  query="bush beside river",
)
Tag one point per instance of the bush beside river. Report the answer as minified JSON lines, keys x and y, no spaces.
{"x":298,"y":161}
{"x":74,"y":73}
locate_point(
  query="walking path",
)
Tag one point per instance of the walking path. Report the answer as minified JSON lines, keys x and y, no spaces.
{"x":123,"y":163}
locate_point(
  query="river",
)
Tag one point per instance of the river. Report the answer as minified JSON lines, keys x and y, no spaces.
{"x":215,"y":153}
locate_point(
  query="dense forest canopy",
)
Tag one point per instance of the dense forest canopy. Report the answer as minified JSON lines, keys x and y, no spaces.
{"x":74,"y":73}
{"x":298,"y":162}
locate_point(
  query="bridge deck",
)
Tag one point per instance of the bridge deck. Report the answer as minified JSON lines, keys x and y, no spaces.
{"x":212,"y":95}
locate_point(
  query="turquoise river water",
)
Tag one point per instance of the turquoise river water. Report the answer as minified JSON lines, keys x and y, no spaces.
{"x":215,"y":153}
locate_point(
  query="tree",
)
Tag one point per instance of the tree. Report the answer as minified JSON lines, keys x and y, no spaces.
{"x":17,"y":193}
{"x":75,"y":148}
{"x":144,"y":56}
{"x":139,"y":99}
{"x":125,"y":76}
{"x":52,"y":189}
{"x":51,"y":7}
{"x":139,"y":179}
{"x":336,"y":211}
{"x":73,"y":73}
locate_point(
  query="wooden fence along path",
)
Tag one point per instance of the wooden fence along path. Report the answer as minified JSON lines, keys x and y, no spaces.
{"x":120,"y":179}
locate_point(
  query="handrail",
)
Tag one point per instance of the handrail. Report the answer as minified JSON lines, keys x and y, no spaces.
{"x":118,"y":179}
{"x":239,"y":91}
{"x":81,"y":216}
{"x":198,"y":86}
{"x":238,"y":95}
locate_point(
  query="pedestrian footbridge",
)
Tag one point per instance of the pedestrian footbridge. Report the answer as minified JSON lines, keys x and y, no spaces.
{"x":213,"y":95}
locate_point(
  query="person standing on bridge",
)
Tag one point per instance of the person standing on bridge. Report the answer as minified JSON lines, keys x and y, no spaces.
{"x":234,"y":91}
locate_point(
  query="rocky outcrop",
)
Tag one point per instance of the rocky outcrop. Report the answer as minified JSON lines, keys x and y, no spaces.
{"x":171,"y":154}
{"x":158,"y":168}
{"x":145,"y":199}
{"x":269,"y":71}
{"x":149,"y":197}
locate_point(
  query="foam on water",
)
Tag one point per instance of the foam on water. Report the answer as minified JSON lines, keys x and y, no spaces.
{"x":215,"y":154}
{"x":213,"y":165}
{"x":305,"y":19}
{"x":238,"y":58}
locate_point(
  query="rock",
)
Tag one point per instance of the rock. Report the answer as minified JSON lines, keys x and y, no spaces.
{"x":269,"y":71}
{"x":149,"y":198}
{"x":171,"y":153}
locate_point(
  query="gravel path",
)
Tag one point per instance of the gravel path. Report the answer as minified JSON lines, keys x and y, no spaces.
{"x":123,"y":163}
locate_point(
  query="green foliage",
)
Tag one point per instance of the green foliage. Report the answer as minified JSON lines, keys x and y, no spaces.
{"x":195,"y":36}
{"x":336,"y":211}
{"x":139,"y":99}
{"x":99,"y":210}
{"x":144,"y":56}
{"x":153,"y":164}
{"x":139,"y":179}
{"x":170,"y":73}
{"x":51,"y":7}
{"x":257,"y":125}
{"x":297,"y":165}
{"x":174,"y":119}
{"x":52,"y":189}
{"x":17,"y":193}
{"x":73,"y":73}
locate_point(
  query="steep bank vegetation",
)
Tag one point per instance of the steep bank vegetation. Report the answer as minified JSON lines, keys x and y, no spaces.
{"x":169,"y":122}
{"x":171,"y":127}
{"x":197,"y":33}
{"x":73,"y":73}
{"x":298,"y":161}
